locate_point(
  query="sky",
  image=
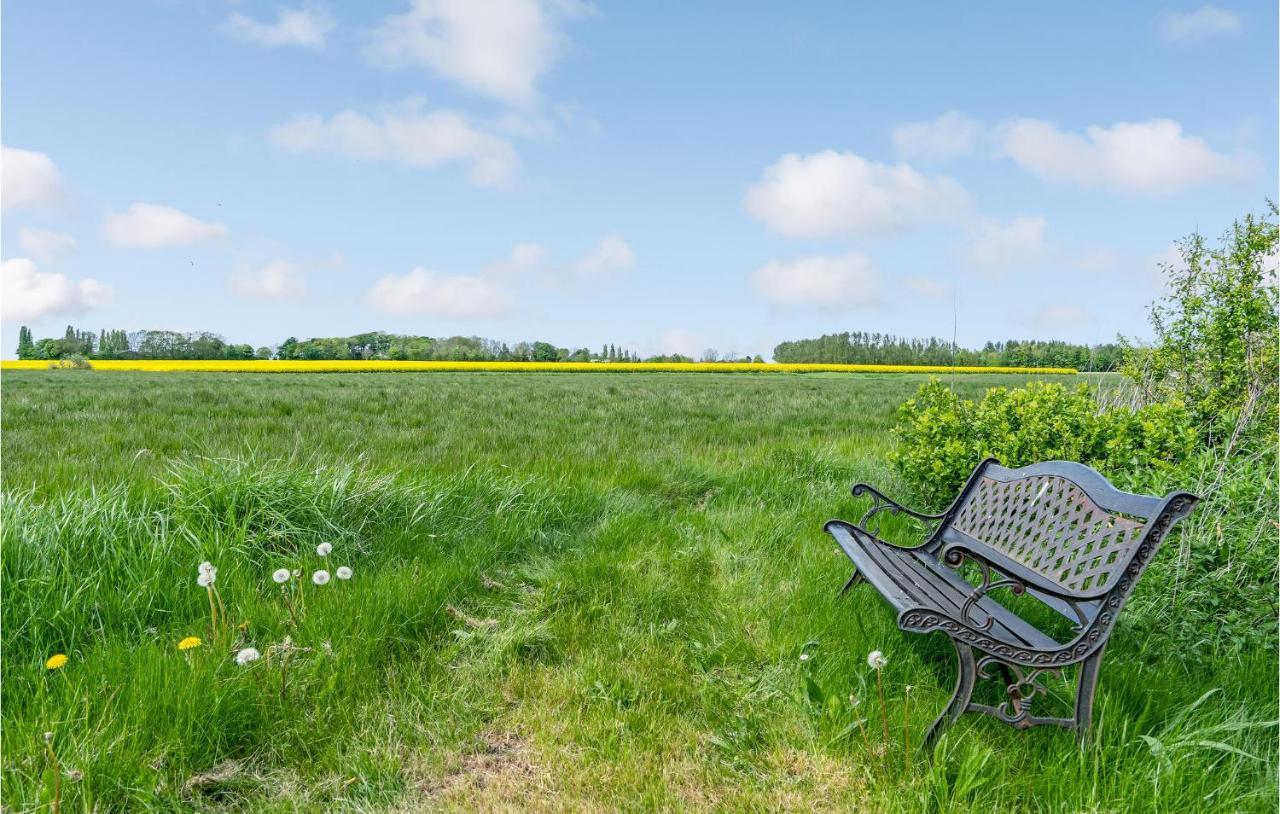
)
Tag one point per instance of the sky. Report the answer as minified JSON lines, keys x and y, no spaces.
{"x":663,"y":176}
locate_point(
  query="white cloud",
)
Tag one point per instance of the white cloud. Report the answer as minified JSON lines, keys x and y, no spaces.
{"x":929,"y":289}
{"x":28,"y":293}
{"x":1061,"y":316}
{"x":498,"y":48}
{"x":829,"y":194}
{"x":280,"y":280}
{"x":997,"y":246}
{"x":829,"y":283}
{"x":423,"y":292}
{"x":1203,"y":23}
{"x":951,"y":135}
{"x":612,"y":254}
{"x":28,"y":178}
{"x":45,"y":245}
{"x":409,"y":137}
{"x":152,"y":226}
{"x":1141,"y":158}
{"x":293,"y":26}
{"x":522,"y":259}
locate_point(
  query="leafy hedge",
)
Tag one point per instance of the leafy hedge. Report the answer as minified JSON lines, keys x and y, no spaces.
{"x":943,"y":436}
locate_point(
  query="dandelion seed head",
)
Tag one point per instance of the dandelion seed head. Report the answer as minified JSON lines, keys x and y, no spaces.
{"x":205,"y":579}
{"x":206,"y":567}
{"x":324,"y":548}
{"x":281,"y":575}
{"x":804,"y":656}
{"x":320,"y":577}
{"x":877,"y":660}
{"x":189,"y":643}
{"x":246,"y":655}
{"x":343,"y":572}
{"x":56,"y":661}
{"x":48,"y":737}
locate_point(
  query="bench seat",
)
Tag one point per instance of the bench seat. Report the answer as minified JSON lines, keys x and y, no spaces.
{"x":909,"y":578}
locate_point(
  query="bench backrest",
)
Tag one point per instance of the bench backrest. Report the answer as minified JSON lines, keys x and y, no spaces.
{"x":1060,"y":519}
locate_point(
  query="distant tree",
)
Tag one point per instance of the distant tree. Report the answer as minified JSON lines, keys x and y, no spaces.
{"x":26,"y":345}
{"x":262,"y":353}
{"x":545,"y":352}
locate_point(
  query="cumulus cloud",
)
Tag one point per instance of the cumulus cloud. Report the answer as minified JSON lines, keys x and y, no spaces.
{"x":28,"y":293}
{"x":951,"y":135}
{"x":1138,"y":158}
{"x":997,"y":246}
{"x":830,"y":194}
{"x":45,"y":245}
{"x":28,"y":178}
{"x":828,"y":283}
{"x":307,"y":27}
{"x":1062,"y":316}
{"x":410,"y":137}
{"x":498,"y":48}
{"x":929,"y":289}
{"x":153,"y":226}
{"x":609,"y":256}
{"x":281,"y":280}
{"x":423,"y":292}
{"x":1201,"y":24}
{"x":522,"y":259}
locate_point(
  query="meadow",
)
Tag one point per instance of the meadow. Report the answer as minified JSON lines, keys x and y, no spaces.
{"x":606,"y":592}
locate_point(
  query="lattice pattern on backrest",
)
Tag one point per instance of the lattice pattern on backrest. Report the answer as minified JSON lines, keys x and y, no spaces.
{"x":1050,"y":525}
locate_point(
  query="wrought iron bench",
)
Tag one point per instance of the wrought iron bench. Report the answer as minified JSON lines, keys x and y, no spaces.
{"x":1057,"y":531}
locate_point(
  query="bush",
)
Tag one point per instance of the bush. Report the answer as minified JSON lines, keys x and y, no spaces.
{"x":942,"y":436}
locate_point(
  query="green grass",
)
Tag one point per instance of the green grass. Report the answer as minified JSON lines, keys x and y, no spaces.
{"x":570,"y":593}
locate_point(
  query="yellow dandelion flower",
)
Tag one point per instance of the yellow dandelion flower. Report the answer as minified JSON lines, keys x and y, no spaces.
{"x":189,"y":642}
{"x":56,"y":661}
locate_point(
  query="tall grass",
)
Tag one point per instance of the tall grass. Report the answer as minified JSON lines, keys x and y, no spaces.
{"x":568,"y":594}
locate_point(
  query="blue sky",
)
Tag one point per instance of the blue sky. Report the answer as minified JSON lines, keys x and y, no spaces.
{"x":664,"y":176}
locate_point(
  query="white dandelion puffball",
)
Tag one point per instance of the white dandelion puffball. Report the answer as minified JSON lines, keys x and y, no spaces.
{"x":206,"y":567}
{"x":205,"y":579}
{"x":281,"y":575}
{"x":876,"y":660}
{"x":804,"y":656}
{"x":247,"y":655}
{"x":324,"y":548}
{"x":343,"y":572}
{"x":320,"y":577}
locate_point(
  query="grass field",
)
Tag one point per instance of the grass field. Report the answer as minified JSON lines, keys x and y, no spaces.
{"x":605,"y":592}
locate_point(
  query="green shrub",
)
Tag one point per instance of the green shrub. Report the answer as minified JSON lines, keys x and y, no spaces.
{"x":941,"y":436}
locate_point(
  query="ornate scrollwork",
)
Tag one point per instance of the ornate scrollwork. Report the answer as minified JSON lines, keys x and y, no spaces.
{"x":870,"y":523}
{"x":1021,"y":685}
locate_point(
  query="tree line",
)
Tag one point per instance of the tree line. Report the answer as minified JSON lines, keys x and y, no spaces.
{"x":860,"y":348}
{"x":118,"y":344}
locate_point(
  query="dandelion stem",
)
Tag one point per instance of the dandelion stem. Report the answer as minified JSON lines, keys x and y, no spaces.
{"x":56,"y":804}
{"x":884,"y":713}
{"x":213,"y":613}
{"x":906,"y":733}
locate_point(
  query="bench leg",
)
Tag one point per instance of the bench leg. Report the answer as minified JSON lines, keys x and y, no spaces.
{"x":965,"y":677}
{"x":853,"y":580}
{"x":1088,"y":683}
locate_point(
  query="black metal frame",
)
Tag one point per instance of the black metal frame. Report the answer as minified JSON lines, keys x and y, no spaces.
{"x":1019,"y":659}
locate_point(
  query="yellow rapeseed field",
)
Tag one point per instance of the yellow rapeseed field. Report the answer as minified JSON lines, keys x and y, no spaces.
{"x":372,"y":365}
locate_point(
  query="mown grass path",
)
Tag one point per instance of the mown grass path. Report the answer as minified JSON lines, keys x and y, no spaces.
{"x":570,"y":592}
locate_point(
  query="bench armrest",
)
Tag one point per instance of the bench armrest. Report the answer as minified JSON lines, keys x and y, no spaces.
{"x":882,"y":502}
{"x":1008,"y":574}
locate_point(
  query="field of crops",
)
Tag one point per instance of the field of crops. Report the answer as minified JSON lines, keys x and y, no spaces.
{"x":383,"y":366}
{"x":605,"y":592}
